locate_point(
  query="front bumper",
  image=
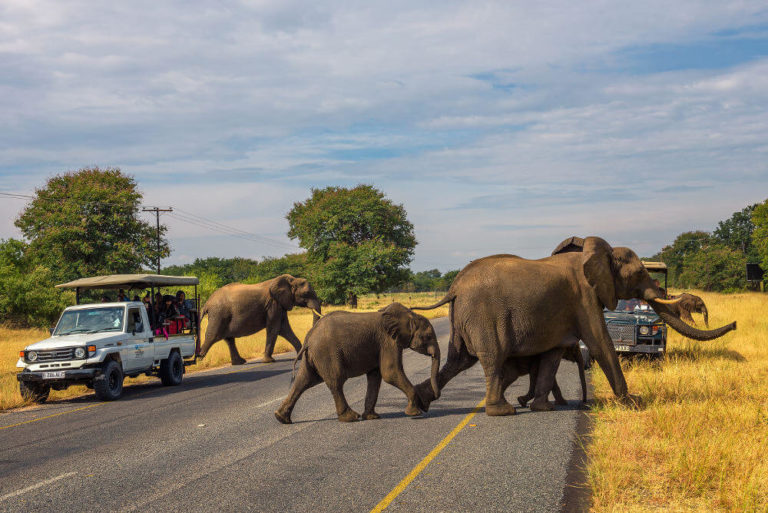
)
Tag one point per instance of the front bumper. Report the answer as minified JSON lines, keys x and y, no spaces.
{"x":70,"y":376}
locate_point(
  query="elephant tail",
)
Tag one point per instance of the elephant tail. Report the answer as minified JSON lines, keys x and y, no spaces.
{"x":449,"y":298}
{"x":203,"y":311}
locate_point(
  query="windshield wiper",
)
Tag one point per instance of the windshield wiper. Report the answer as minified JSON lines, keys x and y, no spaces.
{"x":78,"y":330}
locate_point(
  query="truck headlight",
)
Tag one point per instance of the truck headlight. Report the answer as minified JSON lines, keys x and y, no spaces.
{"x":32,"y":356}
{"x":644,"y":330}
{"x":79,"y":353}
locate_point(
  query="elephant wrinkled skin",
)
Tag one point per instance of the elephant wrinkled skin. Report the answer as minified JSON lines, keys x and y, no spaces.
{"x":238,"y":310}
{"x":504,"y":306}
{"x":343,"y":345}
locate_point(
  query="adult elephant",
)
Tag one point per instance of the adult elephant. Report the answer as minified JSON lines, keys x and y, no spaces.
{"x":238,"y":310}
{"x":504,"y":306}
{"x":688,"y":304}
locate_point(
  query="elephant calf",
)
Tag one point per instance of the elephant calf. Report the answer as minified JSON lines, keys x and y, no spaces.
{"x":343,"y":345}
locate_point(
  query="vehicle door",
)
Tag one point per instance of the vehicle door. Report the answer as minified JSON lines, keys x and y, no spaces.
{"x":137,"y":351}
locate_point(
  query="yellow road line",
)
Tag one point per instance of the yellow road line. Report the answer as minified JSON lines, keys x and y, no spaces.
{"x":103,"y":403}
{"x":397,"y":490}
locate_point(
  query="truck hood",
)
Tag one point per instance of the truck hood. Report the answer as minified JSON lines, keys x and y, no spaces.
{"x":76,"y":339}
{"x":639,"y":318}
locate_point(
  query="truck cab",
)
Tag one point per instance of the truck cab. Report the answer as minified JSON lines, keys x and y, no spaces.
{"x":99,"y":344}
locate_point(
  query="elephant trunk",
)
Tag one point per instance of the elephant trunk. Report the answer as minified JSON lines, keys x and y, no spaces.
{"x":433,"y":374}
{"x":686,"y":330}
{"x":706,"y":316}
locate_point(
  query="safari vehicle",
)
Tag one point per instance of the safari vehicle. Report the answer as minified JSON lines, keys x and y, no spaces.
{"x":634,"y":326}
{"x":99,"y":344}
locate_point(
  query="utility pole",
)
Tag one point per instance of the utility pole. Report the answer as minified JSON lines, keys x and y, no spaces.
{"x":157,"y":211}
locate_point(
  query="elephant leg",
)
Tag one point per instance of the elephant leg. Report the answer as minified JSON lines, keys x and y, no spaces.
{"x":559,"y":399}
{"x":495,"y":403}
{"x":372,"y":394}
{"x":393,"y":373}
{"x":306,"y":378}
{"x":458,"y":360}
{"x":345,"y":413}
{"x":686,"y":316}
{"x":533,"y":373}
{"x":269,"y":347}
{"x":545,"y":381}
{"x":234,"y":355}
{"x":210,"y":338}
{"x":287,"y":333}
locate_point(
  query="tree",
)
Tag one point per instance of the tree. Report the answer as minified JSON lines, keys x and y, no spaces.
{"x":27,"y":293}
{"x":357,"y":241}
{"x":736,"y":232}
{"x":674,"y":255}
{"x":760,"y":233}
{"x":87,"y":222}
{"x":716,"y":268}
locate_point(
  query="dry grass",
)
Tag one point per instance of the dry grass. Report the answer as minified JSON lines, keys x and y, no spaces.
{"x":700,"y":440}
{"x":12,"y":341}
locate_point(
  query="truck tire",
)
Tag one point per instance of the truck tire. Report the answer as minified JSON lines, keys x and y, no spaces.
{"x":109,"y":386}
{"x":172,"y":369}
{"x":34,"y":392}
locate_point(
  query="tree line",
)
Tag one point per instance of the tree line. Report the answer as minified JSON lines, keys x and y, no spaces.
{"x":717,"y":260}
{"x":355,"y":241}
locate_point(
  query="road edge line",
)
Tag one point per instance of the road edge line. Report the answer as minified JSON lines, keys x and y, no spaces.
{"x":36,"y":486}
{"x":402,"y":485}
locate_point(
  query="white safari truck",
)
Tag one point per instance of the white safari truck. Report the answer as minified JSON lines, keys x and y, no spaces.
{"x":99,"y":344}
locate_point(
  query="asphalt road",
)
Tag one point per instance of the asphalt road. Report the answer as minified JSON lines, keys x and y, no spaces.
{"x":213,"y":444}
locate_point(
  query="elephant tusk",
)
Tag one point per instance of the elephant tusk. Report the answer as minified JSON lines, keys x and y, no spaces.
{"x":667,"y":301}
{"x":316,"y":312}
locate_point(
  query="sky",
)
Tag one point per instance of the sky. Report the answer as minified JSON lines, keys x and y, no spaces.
{"x":502,"y":127}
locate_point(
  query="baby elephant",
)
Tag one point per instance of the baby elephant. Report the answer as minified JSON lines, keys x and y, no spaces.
{"x":343,"y":345}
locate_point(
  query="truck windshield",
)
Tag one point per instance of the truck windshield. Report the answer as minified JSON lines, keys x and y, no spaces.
{"x":90,"y":320}
{"x":632,"y":305}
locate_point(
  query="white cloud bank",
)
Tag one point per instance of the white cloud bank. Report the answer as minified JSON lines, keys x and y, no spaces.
{"x":502,"y":126}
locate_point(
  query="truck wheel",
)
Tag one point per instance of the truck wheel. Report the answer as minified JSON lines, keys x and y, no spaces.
{"x":172,"y":369}
{"x":109,"y":386}
{"x":34,"y":392}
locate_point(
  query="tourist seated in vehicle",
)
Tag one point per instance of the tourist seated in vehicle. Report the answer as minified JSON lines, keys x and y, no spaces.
{"x":121,"y":295}
{"x":181,"y":305}
{"x":169,"y":315}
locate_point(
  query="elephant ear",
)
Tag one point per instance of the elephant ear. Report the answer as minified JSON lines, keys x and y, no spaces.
{"x":599,"y":270}
{"x":398,"y":323}
{"x":281,"y":291}
{"x":570,"y":245}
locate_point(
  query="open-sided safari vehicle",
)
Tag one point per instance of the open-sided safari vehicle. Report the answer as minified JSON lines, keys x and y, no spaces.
{"x":633,"y":326}
{"x":99,"y":344}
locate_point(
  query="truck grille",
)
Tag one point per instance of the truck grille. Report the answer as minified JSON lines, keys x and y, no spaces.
{"x":622,"y":332}
{"x":56,"y":355}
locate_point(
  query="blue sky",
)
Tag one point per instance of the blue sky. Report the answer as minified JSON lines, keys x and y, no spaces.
{"x":501,"y":126}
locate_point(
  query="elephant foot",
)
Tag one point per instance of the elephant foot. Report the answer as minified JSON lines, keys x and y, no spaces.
{"x":267,"y":359}
{"x":560,"y":401}
{"x":238,"y":361}
{"x":412,"y":410}
{"x":499,"y":410}
{"x":425,"y":395}
{"x":523,"y":400}
{"x":284,"y":419}
{"x":349,"y":416}
{"x":632,"y":400}
{"x":371,"y":416}
{"x":543,"y":405}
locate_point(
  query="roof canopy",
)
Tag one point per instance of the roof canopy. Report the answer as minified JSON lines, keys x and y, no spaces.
{"x":129,"y":281}
{"x":655,"y":267}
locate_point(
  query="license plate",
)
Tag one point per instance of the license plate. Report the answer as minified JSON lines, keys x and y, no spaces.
{"x":622,"y":348}
{"x":53,"y":375}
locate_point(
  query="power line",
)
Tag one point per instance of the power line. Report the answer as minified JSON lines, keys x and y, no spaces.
{"x":184,"y":216}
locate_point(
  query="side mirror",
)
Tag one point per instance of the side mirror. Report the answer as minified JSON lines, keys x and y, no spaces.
{"x":50,"y":330}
